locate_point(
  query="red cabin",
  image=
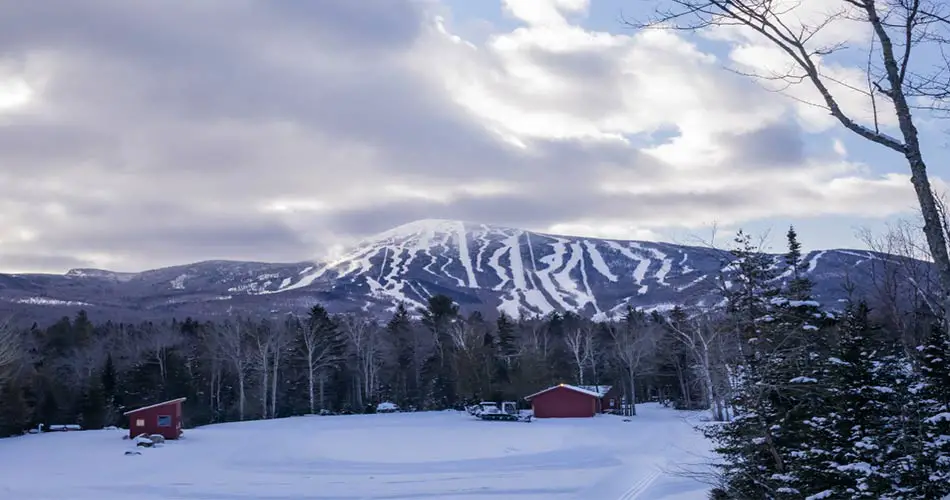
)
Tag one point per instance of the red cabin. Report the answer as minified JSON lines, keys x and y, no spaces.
{"x":162,"y":418}
{"x":570,"y":401}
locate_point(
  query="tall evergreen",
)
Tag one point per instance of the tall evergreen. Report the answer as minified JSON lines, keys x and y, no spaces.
{"x":927,"y":474}
{"x":779,"y":382}
{"x":799,"y":286}
{"x":857,"y":434}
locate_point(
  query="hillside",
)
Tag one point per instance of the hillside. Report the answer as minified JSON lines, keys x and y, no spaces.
{"x":480,"y":266}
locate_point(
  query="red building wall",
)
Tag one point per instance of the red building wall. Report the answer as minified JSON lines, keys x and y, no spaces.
{"x":613,"y":395}
{"x":163,"y":419}
{"x":564,"y":403}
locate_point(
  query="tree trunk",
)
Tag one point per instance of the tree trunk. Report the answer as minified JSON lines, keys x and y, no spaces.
{"x":242,"y":397}
{"x":933,"y":230}
{"x":273,"y":391}
{"x":310,"y":375}
{"x":323,"y":400}
{"x":633,"y":391}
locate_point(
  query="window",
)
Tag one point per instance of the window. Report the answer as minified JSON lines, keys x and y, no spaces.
{"x":611,"y":402}
{"x":164,"y":421}
{"x":140,"y":422}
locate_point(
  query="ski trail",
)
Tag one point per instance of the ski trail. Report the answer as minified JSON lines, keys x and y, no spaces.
{"x":641,"y":486}
{"x":465,"y":256}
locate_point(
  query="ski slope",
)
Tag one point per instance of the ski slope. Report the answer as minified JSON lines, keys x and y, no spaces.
{"x":431,"y":455}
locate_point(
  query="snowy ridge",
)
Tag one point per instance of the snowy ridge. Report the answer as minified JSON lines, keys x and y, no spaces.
{"x":480,"y":266}
{"x":524,"y":273}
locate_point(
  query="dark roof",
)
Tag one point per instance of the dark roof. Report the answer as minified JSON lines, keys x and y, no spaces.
{"x":156,"y":405}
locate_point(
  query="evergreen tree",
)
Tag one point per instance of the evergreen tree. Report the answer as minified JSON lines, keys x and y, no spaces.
{"x":778,"y":387}
{"x":440,"y":315}
{"x":505,"y":345}
{"x":93,"y":410}
{"x":855,"y":435}
{"x":799,"y":287}
{"x":927,"y":473}
{"x":112,"y":404}
{"x":15,"y":414}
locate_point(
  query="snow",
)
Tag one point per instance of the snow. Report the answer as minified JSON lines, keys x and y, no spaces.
{"x":446,"y":455}
{"x":581,"y":389}
{"x":600,"y":390}
{"x":46,"y":301}
{"x":179,"y":282}
{"x":599,"y":263}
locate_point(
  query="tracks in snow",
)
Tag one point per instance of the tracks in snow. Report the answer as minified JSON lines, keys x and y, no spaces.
{"x":641,"y":486}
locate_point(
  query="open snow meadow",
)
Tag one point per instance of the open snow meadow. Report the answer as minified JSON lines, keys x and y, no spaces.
{"x":427,"y":455}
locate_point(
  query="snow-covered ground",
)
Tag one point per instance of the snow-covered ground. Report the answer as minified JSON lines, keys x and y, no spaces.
{"x":433,"y":455}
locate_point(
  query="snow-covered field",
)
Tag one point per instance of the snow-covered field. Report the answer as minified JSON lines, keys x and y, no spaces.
{"x":433,"y":455}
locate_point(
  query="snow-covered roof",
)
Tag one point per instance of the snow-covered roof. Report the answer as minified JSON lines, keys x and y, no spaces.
{"x":387,"y":405}
{"x":581,"y":389}
{"x":602,"y":390}
{"x":179,"y":400}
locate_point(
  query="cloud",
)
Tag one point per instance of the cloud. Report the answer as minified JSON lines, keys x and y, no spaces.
{"x":138,"y":135}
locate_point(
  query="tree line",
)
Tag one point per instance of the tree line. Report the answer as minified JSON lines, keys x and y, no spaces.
{"x":76,"y":371}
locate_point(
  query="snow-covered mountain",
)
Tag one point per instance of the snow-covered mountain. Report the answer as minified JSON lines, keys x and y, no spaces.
{"x":480,"y":266}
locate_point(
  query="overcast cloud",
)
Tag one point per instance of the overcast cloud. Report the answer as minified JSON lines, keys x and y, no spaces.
{"x":137,"y":134}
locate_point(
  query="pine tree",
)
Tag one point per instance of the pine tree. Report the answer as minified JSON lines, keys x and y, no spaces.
{"x":14,"y":411}
{"x":505,"y":342}
{"x":778,"y":389}
{"x":926,"y":475}
{"x":799,"y":287}
{"x":855,"y":434}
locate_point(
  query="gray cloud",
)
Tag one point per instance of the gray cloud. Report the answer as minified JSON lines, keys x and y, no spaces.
{"x":778,"y":145}
{"x":164,"y":127}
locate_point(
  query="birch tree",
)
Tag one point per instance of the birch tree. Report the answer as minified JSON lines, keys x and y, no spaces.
{"x":634,"y":342}
{"x":362,"y":334}
{"x":282,"y":338}
{"x":579,"y":338}
{"x":232,"y":344}
{"x":158,"y":341}
{"x":899,"y":72}
{"x":322,"y":347}
{"x":262,"y":348}
{"x":700,"y":336}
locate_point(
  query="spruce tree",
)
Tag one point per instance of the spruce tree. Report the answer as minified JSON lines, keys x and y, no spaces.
{"x":780,"y":386}
{"x":927,"y":473}
{"x":799,"y":287}
{"x":855,"y":435}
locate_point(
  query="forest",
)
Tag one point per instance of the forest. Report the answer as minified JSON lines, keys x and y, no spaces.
{"x":791,"y":383}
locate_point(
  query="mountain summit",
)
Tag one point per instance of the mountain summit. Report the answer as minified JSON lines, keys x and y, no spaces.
{"x":480,"y":266}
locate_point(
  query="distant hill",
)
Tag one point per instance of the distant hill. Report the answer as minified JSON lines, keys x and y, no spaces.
{"x":480,"y":266}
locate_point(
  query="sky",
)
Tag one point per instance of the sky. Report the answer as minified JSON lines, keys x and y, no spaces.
{"x":136,"y":135}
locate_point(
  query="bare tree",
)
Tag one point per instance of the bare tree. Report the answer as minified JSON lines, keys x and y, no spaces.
{"x":700,"y":335}
{"x":281,"y":339}
{"x":158,"y":341}
{"x":634,"y":342}
{"x":262,"y":343}
{"x":362,"y":334}
{"x":232,"y":341}
{"x":580,"y":342}
{"x":322,"y":349}
{"x":902,"y":283}
{"x":900,"y":29}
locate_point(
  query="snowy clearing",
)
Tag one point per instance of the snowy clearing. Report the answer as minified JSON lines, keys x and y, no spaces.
{"x":438,"y":455}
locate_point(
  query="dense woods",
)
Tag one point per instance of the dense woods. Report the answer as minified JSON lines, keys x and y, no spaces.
{"x":847,"y":400}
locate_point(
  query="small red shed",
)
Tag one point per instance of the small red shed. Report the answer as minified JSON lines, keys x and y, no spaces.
{"x":161,"y":418}
{"x":565,"y":401}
